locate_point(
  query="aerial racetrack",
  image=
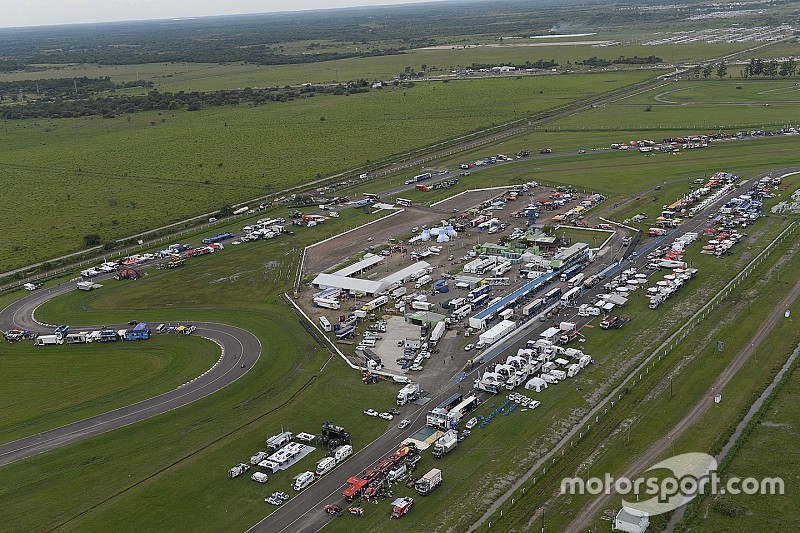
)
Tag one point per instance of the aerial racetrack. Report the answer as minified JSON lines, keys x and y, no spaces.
{"x":240,"y":350}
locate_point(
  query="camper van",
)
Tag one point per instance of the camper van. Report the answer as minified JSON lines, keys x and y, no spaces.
{"x":303,"y":480}
{"x":325,"y":465}
{"x":342,"y":452}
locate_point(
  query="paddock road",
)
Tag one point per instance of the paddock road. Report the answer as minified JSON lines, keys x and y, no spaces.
{"x":239,"y":347}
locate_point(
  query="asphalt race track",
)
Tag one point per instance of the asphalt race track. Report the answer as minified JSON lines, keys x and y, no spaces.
{"x":238,"y":346}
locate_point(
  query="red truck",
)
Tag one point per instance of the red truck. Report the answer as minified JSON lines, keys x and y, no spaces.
{"x":401,"y":506}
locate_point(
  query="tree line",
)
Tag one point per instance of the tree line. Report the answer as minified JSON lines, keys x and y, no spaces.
{"x":112,"y":105}
{"x":755,"y":68}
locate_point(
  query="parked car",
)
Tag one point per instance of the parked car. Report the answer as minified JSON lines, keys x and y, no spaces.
{"x":371,"y":412}
{"x":386,"y":416}
{"x":468,"y":347}
{"x":358,"y":511}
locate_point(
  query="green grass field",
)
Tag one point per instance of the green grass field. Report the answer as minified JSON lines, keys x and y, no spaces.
{"x":115,"y":177}
{"x":45,"y":387}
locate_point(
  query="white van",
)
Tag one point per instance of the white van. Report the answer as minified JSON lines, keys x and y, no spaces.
{"x":259,"y":477}
{"x":303,"y":480}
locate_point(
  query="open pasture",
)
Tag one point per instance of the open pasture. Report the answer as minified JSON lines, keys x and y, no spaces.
{"x":114,"y":177}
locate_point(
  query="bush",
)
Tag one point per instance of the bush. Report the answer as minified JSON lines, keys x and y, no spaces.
{"x":728,"y":507}
{"x":91,"y":239}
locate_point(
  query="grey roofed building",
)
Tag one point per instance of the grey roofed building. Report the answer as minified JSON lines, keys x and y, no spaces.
{"x":631,"y":520}
{"x":351,"y":285}
{"x":402,"y":276}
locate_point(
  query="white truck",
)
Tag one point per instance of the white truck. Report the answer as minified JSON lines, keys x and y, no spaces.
{"x":577,"y":281}
{"x":47,"y":340}
{"x":396,"y":473}
{"x":409,"y":393}
{"x":438,"y":331}
{"x":588,"y":310}
{"x":428,"y":483}
{"x":445,"y":444}
{"x":421,"y":282}
{"x":517,"y":379}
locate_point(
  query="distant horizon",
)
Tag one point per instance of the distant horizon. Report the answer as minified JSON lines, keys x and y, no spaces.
{"x":33,"y":14}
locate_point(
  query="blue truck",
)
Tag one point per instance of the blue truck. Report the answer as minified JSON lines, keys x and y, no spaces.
{"x":218,"y":238}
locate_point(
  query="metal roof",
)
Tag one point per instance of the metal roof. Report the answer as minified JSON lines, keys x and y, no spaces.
{"x":402,"y":275}
{"x":348,"y":284}
{"x":368,"y":261}
{"x":522,"y":291}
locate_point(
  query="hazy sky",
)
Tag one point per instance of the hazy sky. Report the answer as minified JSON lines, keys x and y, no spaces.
{"x":41,"y":12}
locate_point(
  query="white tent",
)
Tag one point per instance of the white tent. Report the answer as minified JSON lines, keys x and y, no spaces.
{"x":442,"y":238}
{"x":537,"y":384}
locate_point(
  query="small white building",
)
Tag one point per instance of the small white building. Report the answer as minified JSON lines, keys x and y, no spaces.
{"x":631,"y":520}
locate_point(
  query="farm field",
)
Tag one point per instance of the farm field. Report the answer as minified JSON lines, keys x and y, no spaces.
{"x":91,"y":379}
{"x":206,"y":76}
{"x":129,"y":166}
{"x":121,"y":483}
